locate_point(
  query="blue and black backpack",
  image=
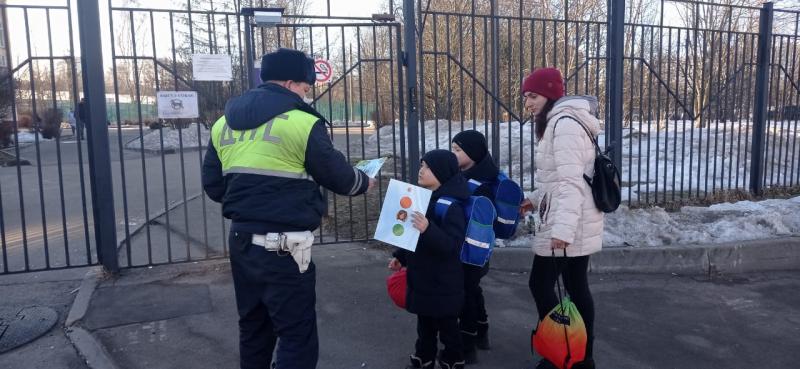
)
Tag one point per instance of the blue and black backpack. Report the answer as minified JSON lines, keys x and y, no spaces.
{"x":507,"y":197}
{"x":479,"y":238}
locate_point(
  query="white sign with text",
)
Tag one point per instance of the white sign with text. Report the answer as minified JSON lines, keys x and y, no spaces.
{"x":177,"y":104}
{"x":211,"y":67}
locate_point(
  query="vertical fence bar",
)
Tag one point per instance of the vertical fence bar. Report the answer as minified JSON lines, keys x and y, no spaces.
{"x":495,"y":82}
{"x":642,"y":47}
{"x":791,"y":133}
{"x":749,"y":101}
{"x":760,"y":101}
{"x":64,"y":228}
{"x":474,"y":100}
{"x":614,"y":77}
{"x":772,"y":100}
{"x":37,"y":123}
{"x":712,"y":105}
{"x":792,"y":179}
{"x":250,"y":54}
{"x":401,"y":108}
{"x":739,"y":101}
{"x":138,"y":94}
{"x":449,"y":89}
{"x":420,"y":92}
{"x":100,"y":158}
{"x":436,"y":107}
{"x":74,"y":72}
{"x":161,"y":140}
{"x":410,"y":56}
{"x":461,"y":70}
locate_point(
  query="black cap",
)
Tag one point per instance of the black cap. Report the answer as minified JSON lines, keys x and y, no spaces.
{"x":443,"y":164}
{"x":473,"y":143}
{"x":287,"y":65}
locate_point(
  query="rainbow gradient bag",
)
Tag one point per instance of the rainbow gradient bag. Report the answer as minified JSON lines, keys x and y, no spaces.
{"x":561,"y":335}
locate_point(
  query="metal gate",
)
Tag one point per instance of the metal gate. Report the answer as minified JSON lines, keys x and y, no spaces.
{"x":362,"y":100}
{"x":45,"y":202}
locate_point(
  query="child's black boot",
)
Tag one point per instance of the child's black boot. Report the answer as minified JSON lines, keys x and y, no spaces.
{"x":482,"y":340}
{"x":417,"y":363}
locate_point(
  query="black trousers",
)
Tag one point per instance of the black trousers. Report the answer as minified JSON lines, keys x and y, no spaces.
{"x":545,"y":271}
{"x":473,"y":314}
{"x":276,"y":306}
{"x":447,"y":330}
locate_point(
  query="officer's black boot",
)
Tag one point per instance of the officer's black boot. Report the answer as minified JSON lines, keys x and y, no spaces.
{"x":482,"y":340}
{"x":417,"y":363}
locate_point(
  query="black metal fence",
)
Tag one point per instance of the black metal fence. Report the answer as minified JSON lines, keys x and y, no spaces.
{"x":45,"y":207}
{"x":693,"y":108}
{"x":687,"y":89}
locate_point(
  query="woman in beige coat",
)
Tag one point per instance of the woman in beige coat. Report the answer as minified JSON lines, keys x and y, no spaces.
{"x":570,"y":225}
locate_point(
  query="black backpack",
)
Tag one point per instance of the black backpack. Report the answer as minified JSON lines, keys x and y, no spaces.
{"x":605,"y":183}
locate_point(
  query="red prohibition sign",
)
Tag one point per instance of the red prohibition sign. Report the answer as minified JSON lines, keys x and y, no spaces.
{"x":323,"y":70}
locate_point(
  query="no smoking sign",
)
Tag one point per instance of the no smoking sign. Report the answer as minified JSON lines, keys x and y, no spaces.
{"x":323,"y":70}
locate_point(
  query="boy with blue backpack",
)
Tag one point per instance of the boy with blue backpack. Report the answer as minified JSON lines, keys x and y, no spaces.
{"x":484,"y":179}
{"x":435,"y":279}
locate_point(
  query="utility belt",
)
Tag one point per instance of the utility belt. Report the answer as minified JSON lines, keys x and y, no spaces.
{"x":297,"y":244}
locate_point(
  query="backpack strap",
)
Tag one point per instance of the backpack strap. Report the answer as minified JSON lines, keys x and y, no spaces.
{"x":441,"y":207}
{"x":598,"y":152}
{"x":589,"y":133}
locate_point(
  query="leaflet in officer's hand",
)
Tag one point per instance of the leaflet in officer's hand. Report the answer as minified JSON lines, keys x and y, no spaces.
{"x":394,"y":224}
{"x":371,"y":167}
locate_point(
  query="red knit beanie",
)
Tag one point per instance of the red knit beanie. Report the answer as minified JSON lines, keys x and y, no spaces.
{"x":546,"y":82}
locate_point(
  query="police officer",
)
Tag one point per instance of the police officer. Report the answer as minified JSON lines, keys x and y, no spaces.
{"x":267,"y":157}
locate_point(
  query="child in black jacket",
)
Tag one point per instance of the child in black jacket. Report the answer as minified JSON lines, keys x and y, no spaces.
{"x":435,"y":291}
{"x":476,"y":164}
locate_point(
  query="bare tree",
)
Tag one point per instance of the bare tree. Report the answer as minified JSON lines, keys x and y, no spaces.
{"x":707,"y":21}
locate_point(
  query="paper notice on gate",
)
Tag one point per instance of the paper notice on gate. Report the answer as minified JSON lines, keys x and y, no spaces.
{"x":177,"y":104}
{"x":211,"y":67}
{"x":371,"y":167}
{"x":394,"y":223}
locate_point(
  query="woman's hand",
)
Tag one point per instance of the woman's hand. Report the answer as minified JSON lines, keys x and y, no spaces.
{"x":525,"y":206}
{"x":395,"y":265}
{"x":419,"y":221}
{"x":557,"y":244}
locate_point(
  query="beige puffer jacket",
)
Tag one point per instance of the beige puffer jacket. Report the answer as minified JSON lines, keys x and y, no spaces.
{"x":563,"y":197}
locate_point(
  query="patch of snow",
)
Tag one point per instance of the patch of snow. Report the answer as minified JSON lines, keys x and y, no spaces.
{"x":173,"y":139}
{"x":28,"y":137}
{"x":728,"y":222}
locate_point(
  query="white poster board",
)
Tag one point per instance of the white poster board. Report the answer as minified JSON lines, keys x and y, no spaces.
{"x":394,"y":224}
{"x":177,"y":104}
{"x":211,"y":67}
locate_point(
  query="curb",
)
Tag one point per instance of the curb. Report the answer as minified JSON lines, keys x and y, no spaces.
{"x":84,"y":297}
{"x":92,"y":352}
{"x":731,"y":257}
{"x":88,"y":347}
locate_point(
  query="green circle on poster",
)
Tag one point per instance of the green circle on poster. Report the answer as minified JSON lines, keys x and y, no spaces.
{"x":398,"y":230}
